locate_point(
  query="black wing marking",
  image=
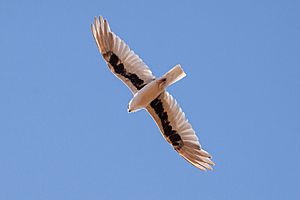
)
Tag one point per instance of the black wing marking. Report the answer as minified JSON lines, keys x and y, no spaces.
{"x":178,"y":131}
{"x":122,"y":61}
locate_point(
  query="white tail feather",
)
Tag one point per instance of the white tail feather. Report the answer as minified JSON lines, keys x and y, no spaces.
{"x":174,"y":75}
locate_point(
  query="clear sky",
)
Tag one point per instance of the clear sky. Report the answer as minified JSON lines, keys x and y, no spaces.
{"x":64,"y":128}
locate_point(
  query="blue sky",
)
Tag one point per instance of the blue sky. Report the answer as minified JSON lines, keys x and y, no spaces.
{"x":65,"y":132}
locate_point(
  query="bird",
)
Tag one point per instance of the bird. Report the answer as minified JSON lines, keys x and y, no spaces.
{"x":149,"y":93}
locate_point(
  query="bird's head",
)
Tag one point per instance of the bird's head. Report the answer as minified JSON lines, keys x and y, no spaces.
{"x":133,"y":106}
{"x":128,"y":108}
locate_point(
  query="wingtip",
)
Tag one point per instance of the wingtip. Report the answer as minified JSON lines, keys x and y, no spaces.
{"x":197,"y":158}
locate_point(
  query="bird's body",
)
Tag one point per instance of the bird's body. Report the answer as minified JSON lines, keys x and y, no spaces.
{"x":150,"y":93}
{"x":144,"y":96}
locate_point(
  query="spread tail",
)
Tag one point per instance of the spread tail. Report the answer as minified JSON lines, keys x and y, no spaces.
{"x":174,"y":75}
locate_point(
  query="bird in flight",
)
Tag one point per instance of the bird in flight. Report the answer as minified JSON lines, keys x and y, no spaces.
{"x":150,"y":93}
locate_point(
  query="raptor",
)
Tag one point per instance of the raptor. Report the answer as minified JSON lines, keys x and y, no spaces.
{"x":150,"y":93}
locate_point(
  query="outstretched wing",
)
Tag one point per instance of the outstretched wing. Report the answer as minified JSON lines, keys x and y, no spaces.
{"x":122,"y":61}
{"x":178,"y":131}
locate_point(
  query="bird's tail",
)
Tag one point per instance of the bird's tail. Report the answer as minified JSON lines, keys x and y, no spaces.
{"x":174,"y":75}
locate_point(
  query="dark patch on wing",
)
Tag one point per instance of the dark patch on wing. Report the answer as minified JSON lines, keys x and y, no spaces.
{"x":175,"y":138}
{"x":120,"y":69}
{"x":113,"y":60}
{"x":169,"y":133}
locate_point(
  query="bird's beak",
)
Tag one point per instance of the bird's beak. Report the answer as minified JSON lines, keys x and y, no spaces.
{"x":128,"y":108}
